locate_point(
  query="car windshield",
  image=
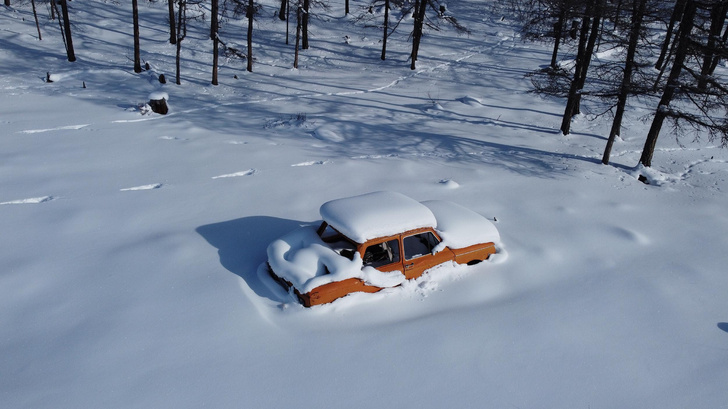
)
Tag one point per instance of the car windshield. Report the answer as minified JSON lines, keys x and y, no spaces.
{"x":337,"y":241}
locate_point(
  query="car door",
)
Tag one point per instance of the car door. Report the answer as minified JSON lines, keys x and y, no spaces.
{"x":418,"y":253}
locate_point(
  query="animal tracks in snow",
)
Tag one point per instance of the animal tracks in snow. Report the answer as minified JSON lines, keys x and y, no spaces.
{"x":143,"y":187}
{"x":32,"y":200}
{"x":313,"y":162}
{"x":60,"y":128}
{"x":248,"y":172}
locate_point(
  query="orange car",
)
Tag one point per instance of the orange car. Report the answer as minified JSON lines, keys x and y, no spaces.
{"x":374,"y":241}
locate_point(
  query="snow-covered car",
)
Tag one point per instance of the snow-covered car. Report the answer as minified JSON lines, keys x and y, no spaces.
{"x":374,"y":241}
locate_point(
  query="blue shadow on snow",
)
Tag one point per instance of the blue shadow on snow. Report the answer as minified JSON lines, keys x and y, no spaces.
{"x":241,"y":245}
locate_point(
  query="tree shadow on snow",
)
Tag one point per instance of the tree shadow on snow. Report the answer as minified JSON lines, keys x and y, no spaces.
{"x":723,"y":326}
{"x":241,"y":245}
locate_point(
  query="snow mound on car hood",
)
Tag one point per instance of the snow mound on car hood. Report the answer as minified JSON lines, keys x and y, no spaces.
{"x":303,"y":259}
{"x":460,"y":227}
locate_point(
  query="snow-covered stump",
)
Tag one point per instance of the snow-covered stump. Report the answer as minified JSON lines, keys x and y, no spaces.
{"x":158,"y":102}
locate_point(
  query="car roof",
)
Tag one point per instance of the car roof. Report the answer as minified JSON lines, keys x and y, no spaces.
{"x":377,"y":214}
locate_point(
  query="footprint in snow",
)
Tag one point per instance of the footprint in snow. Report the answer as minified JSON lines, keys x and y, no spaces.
{"x":311,"y":163}
{"x":143,"y":187}
{"x":32,"y":200}
{"x":248,"y":172}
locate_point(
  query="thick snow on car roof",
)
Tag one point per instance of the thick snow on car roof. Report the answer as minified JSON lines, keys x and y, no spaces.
{"x":376,"y":214}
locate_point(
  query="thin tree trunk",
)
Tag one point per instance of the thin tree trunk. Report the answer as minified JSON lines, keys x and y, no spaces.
{"x":214,"y":10}
{"x":717,"y":19}
{"x":304,"y":24}
{"x":288,"y":17}
{"x":558,"y":29}
{"x":135,"y":17}
{"x":282,"y":10}
{"x":574,"y":88}
{"x":638,"y":11}
{"x":172,"y":28}
{"x":677,"y":13}
{"x":181,"y":32}
{"x":346,"y":7}
{"x":298,"y":33}
{"x":686,"y":26}
{"x":594,"y":34}
{"x":54,"y":10}
{"x":35,"y":15}
{"x":420,"y":9}
{"x":214,"y":28}
{"x":386,"y":28}
{"x":7,"y":3}
{"x":250,"y":12}
{"x":67,"y":30}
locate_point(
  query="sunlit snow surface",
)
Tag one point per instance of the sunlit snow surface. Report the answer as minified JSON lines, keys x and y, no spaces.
{"x":133,"y":247}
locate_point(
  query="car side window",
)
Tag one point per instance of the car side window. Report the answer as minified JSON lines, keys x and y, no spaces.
{"x":381,"y":254}
{"x":419,"y":245}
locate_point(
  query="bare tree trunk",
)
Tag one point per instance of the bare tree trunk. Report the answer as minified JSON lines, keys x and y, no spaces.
{"x":298,"y":33}
{"x":172,"y":28}
{"x":181,"y":33}
{"x":686,"y":26}
{"x":214,"y":10}
{"x":288,"y":17}
{"x":419,"y":20}
{"x":35,"y":15}
{"x":54,"y":10}
{"x":386,"y":28}
{"x":304,"y":24}
{"x":250,"y":13}
{"x":677,"y":13}
{"x":214,"y":28}
{"x":594,"y":34}
{"x":67,"y":30}
{"x":135,"y":17}
{"x":717,"y":19}
{"x":7,"y":3}
{"x":558,"y":29}
{"x":638,"y":11}
{"x":282,"y":10}
{"x":574,"y":88}
{"x":346,"y":8}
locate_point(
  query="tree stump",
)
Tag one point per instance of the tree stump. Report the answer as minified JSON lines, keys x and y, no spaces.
{"x":158,"y":102}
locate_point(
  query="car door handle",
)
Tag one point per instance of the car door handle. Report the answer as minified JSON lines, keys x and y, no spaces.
{"x":408,"y":266}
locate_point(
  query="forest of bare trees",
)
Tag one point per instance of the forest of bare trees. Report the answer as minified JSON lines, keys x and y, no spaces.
{"x":667,"y":51}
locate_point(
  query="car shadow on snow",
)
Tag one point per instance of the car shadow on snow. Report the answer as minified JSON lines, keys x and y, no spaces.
{"x":241,"y":245}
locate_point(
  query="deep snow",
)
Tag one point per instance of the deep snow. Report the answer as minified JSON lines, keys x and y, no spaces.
{"x":132,"y":246}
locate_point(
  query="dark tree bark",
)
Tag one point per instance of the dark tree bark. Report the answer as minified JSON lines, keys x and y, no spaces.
{"x":638,"y":12}
{"x":35,"y":15}
{"x":214,"y":27}
{"x":282,"y":10}
{"x":172,"y":28}
{"x":581,"y":58}
{"x":250,"y":13}
{"x":558,"y":30}
{"x":299,"y":12}
{"x":346,"y":7}
{"x":135,"y":17}
{"x":214,"y":10}
{"x":717,"y":19}
{"x":7,"y":3}
{"x":181,"y":33}
{"x":304,"y":24}
{"x":386,"y":28}
{"x":419,"y":20}
{"x":67,"y":31}
{"x":677,"y":13}
{"x":661,"y":113}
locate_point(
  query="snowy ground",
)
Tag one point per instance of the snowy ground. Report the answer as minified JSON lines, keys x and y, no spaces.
{"x":131,"y":245}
